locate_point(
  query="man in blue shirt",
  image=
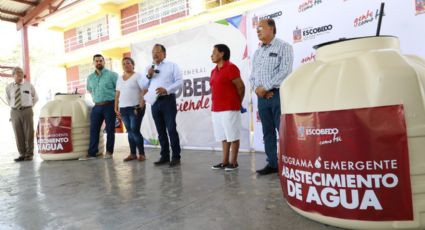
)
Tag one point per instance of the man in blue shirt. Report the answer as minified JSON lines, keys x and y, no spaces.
{"x":101,"y":84}
{"x":163,"y":78}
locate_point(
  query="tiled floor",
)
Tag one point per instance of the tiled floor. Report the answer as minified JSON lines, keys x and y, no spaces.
{"x":112,"y":194}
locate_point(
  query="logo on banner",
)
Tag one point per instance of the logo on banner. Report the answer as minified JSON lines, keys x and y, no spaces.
{"x":257,"y":19}
{"x":366,"y":18}
{"x":308,"y":4}
{"x":420,"y":6}
{"x":310,"y":58}
{"x":298,"y":35}
{"x":309,"y":33}
{"x":301,"y":132}
{"x":359,"y":178}
{"x":326,"y":135}
{"x":195,"y":93}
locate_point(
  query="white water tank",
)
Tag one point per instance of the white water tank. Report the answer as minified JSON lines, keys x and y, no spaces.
{"x":63,"y":131}
{"x":358,"y":94}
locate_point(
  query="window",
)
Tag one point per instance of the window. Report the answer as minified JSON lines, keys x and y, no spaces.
{"x":99,"y":31}
{"x":157,"y":9}
{"x":92,"y":31}
{"x":80,"y":37}
{"x":89,"y":34}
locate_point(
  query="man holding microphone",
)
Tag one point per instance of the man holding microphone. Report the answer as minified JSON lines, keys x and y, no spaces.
{"x":163,"y":78}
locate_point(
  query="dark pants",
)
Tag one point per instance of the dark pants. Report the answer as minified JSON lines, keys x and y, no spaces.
{"x":269,"y":110}
{"x":99,"y":114}
{"x":132,"y":122}
{"x":164,"y":112}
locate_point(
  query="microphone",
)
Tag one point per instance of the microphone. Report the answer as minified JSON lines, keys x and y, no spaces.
{"x":243,"y":110}
{"x":155,"y":70}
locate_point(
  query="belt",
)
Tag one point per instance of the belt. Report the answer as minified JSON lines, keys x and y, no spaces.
{"x":274,"y":90}
{"x":104,"y":103}
{"x":165,"y":96}
{"x":22,"y":108}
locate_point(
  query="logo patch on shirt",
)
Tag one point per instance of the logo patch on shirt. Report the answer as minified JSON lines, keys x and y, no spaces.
{"x":272,"y":54}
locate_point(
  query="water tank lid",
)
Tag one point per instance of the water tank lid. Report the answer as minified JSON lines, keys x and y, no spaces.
{"x":346,"y":39}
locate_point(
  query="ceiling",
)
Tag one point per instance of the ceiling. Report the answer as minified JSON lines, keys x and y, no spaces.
{"x":30,"y":12}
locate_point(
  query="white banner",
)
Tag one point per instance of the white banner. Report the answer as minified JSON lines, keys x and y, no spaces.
{"x":306,"y":23}
{"x":302,"y":23}
{"x":191,"y":50}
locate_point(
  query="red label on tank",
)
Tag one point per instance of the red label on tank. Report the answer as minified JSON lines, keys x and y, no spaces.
{"x":54,"y":135}
{"x":350,"y":164}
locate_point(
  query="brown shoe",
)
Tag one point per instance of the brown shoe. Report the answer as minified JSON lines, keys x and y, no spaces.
{"x":28,"y":158}
{"x":141,"y":158}
{"x":130,"y":158}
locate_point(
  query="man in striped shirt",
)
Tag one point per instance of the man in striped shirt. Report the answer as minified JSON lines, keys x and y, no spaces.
{"x":271,"y":64}
{"x":21,"y":97}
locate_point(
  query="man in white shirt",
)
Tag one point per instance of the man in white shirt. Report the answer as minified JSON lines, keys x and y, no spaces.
{"x":163,"y":78}
{"x":21,"y":97}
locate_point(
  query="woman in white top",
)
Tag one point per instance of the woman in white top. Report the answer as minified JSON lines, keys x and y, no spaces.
{"x":130,"y":105}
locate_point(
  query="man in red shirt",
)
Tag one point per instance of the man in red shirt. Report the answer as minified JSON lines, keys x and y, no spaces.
{"x":227,"y":89}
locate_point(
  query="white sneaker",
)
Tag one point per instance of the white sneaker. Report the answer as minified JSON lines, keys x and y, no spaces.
{"x":108,"y":155}
{"x":86,"y":157}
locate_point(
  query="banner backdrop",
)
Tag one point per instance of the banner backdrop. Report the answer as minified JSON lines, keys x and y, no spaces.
{"x":306,"y":23}
{"x":191,"y":50}
{"x":302,"y":23}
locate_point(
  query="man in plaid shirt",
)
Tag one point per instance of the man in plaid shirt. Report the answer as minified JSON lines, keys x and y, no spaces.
{"x":271,"y":64}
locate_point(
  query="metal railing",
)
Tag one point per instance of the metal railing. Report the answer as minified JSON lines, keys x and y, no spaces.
{"x":79,"y":41}
{"x":216,"y":3}
{"x":155,"y":14}
{"x":151,"y":13}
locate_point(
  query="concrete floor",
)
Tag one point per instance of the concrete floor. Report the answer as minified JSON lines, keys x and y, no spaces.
{"x":111,"y":194}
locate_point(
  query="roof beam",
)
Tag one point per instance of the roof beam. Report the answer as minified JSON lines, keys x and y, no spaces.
{"x":58,"y":6}
{"x":6,"y":67}
{"x":11,"y":13}
{"x":8,"y":19}
{"x":33,"y":13}
{"x":25,"y":2}
{"x":5,"y":75}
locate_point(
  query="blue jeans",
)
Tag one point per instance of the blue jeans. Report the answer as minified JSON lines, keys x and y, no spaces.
{"x":99,"y":114}
{"x":269,"y":110}
{"x":164,"y":112}
{"x":132,"y":123}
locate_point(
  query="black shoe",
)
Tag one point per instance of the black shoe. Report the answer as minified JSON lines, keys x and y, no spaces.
{"x":267,"y":170}
{"x":161,"y":161}
{"x":174,"y":163}
{"x":219,"y":166}
{"x":231,"y":167}
{"x":21,"y":158}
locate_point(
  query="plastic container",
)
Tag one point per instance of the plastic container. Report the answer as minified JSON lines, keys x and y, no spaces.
{"x":365,"y":73}
{"x":78,"y":109}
